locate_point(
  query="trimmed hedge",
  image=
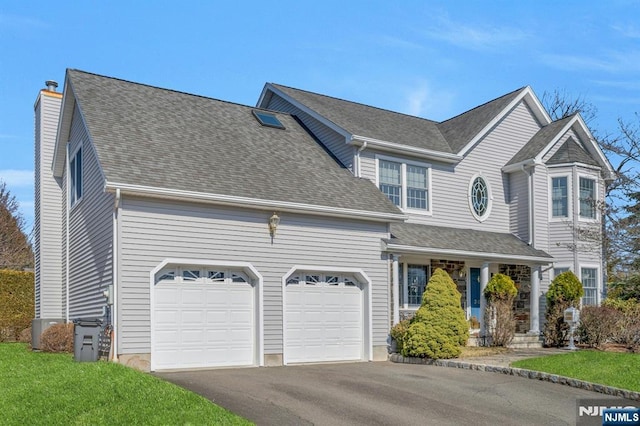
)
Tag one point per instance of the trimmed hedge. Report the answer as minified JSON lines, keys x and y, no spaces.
{"x":565,"y":291}
{"x":17,"y":307}
{"x":499,"y":316}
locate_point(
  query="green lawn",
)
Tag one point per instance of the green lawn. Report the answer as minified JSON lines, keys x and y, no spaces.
{"x":52,"y":389}
{"x":620,"y":370}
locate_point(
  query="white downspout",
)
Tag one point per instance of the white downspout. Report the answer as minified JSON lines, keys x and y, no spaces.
{"x":358,"y":168}
{"x":115,"y":261}
{"x":530,"y":212}
{"x":66,"y":232}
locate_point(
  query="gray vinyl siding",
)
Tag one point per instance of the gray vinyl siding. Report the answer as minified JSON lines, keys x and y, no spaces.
{"x":90,"y":233}
{"x":48,"y":211}
{"x":450,"y":185}
{"x":334,"y":141}
{"x":151,"y":231}
{"x":519,"y":205}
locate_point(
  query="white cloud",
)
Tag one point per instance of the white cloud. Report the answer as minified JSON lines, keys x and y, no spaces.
{"x":612,"y":61}
{"x":396,"y":42}
{"x":627,"y":30}
{"x":423,"y":101}
{"x":20,"y":22}
{"x":17,"y":178}
{"x":480,"y":37}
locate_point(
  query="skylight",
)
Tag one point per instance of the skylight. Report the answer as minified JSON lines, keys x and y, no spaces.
{"x":267,"y":119}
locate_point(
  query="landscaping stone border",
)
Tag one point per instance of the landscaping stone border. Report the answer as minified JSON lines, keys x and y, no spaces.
{"x":521,"y":372}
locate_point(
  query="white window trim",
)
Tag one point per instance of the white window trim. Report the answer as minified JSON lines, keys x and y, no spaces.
{"x":598,"y":279}
{"x":71,"y":201}
{"x":568,"y":266}
{"x":596,"y":186}
{"x":405,"y":283}
{"x":570,"y":197}
{"x":367,"y":302}
{"x":486,"y":215}
{"x":403,"y":182}
{"x":246,"y":267}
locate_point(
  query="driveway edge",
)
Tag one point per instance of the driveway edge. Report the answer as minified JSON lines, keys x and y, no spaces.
{"x":521,"y":372}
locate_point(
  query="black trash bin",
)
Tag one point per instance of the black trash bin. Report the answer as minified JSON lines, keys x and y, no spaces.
{"x":86,"y":339}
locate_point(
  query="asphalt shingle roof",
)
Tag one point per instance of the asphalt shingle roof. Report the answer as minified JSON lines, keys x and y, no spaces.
{"x":541,"y":139}
{"x":571,"y":152}
{"x":469,"y":240}
{"x":460,"y":130}
{"x":376,"y":123}
{"x":154,"y":137}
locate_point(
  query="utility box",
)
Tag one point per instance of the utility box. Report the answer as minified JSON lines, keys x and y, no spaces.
{"x":38,"y":326}
{"x":86,"y":339}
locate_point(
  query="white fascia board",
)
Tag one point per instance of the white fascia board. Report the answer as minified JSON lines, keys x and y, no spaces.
{"x":539,"y":111}
{"x":556,"y":138}
{"x":64,"y":129}
{"x":253,"y":203}
{"x":400,"y":248}
{"x":406,"y":149}
{"x":312,"y":113}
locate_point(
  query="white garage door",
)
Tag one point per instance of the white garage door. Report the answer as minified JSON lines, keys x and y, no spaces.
{"x":324,"y":319}
{"x":203,"y":318}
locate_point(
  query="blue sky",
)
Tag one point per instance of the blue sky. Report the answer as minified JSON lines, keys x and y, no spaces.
{"x":434,"y":59}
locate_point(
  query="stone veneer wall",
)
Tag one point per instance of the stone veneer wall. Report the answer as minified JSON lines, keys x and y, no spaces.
{"x":521,"y":276}
{"x":452,"y":267}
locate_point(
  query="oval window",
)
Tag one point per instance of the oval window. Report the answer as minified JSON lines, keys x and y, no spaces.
{"x":479,"y":198}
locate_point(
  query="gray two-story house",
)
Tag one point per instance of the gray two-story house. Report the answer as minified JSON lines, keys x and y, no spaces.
{"x":299,"y":230}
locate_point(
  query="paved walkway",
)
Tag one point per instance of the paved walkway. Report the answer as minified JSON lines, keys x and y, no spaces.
{"x":501,"y":363}
{"x":505,"y":359}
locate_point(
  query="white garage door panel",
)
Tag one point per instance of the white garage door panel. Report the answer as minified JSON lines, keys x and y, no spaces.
{"x":324,"y":323}
{"x":203,"y":324}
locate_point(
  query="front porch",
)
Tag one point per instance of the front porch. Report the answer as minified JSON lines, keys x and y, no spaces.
{"x":471,"y":277}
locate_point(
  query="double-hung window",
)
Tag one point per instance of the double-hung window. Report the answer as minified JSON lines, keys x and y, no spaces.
{"x":559,"y":197}
{"x":587,"y":198}
{"x":391,"y":180}
{"x":406,"y":184}
{"x":589,"y":278}
{"x":75,"y":176}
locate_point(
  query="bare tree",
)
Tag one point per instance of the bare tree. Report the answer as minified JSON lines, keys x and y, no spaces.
{"x":15,"y":250}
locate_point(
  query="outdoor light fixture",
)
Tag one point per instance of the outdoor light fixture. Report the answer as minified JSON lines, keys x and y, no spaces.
{"x":274,"y":221}
{"x":462,"y":272}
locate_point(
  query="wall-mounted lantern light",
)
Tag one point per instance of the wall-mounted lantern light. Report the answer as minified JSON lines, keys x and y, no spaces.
{"x":274,"y":221}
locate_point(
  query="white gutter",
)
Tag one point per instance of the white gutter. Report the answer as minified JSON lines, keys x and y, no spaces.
{"x":115,"y":262}
{"x":530,"y":212}
{"x":255,"y":203}
{"x":518,"y":166}
{"x":401,"y":248}
{"x":406,"y":149}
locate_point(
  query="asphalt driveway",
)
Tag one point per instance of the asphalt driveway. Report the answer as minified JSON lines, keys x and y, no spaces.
{"x":382,"y":393}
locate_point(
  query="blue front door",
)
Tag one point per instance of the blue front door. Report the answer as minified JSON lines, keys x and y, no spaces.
{"x":474,"y":283}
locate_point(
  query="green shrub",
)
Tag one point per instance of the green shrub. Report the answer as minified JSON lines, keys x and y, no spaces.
{"x":565,"y":291}
{"x":16,"y":303}
{"x":499,"y":316}
{"x":500,"y":287}
{"x":439,"y":327}
{"x":57,"y":338}
{"x":625,"y":288}
{"x":398,"y":332}
{"x":566,"y":287}
{"x":622,"y":305}
{"x":598,"y":325}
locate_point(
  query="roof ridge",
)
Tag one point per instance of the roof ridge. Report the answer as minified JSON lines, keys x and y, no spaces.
{"x":355,"y":103}
{"x":484,"y":104}
{"x":180,"y":92}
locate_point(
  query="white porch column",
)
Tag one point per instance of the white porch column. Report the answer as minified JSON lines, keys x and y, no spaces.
{"x":395,"y":290}
{"x":534,"y":305}
{"x":484,"y":280}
